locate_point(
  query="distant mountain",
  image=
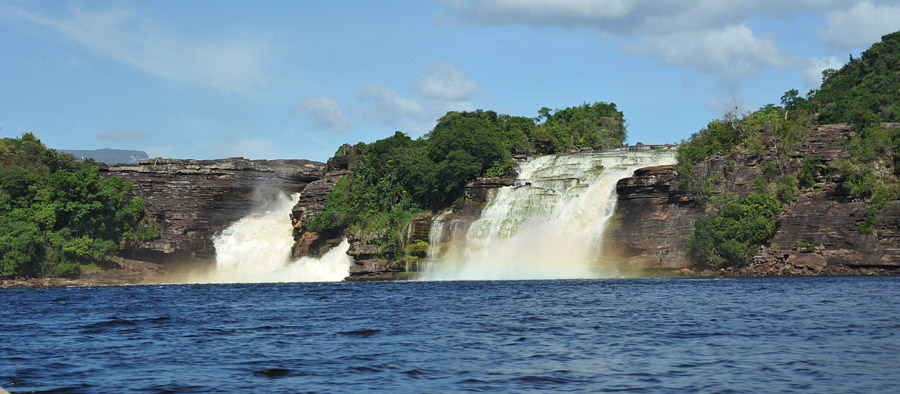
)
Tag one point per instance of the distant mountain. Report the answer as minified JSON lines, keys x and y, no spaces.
{"x":108,"y":155}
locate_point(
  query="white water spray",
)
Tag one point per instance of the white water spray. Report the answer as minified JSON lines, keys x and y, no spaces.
{"x":550,"y":224}
{"x":257,"y":249}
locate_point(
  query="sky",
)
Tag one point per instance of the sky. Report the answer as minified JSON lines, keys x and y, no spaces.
{"x":296,"y":79}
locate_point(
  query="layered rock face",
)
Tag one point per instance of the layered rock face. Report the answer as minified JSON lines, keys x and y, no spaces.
{"x":191,"y":200}
{"x":816,"y":234}
{"x":648,"y":230}
{"x":312,"y":201}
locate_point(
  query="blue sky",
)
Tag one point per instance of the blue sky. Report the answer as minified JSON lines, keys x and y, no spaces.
{"x":296,"y":79}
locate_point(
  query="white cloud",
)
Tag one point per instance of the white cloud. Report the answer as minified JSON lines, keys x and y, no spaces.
{"x":384,"y":105}
{"x":325,"y":113}
{"x":440,"y":88}
{"x":732,"y":53}
{"x":708,"y":35}
{"x":542,"y":12}
{"x":629,"y":17}
{"x":812,"y":74}
{"x":442,"y":81}
{"x":234,"y":65}
{"x":860,"y":26}
{"x":122,"y":135}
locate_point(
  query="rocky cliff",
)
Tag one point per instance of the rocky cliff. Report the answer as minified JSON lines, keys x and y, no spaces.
{"x":191,"y":200}
{"x":312,"y":201}
{"x":816,"y":234}
{"x":647,"y":232}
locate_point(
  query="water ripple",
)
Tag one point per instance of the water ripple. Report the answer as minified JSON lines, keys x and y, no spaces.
{"x":649,"y":335}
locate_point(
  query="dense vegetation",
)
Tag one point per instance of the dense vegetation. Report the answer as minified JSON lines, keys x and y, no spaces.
{"x":396,"y":177}
{"x":732,"y":236}
{"x":57,"y":214}
{"x":864,"y":92}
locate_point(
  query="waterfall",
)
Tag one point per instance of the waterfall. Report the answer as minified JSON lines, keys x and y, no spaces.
{"x":436,"y":234}
{"x":257,"y":248}
{"x":550,"y":224}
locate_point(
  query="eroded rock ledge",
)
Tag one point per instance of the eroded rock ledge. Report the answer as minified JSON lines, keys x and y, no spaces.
{"x":191,"y":200}
{"x":817,"y":234}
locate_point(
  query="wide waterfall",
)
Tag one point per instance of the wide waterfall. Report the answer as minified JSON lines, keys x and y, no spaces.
{"x":550,"y":224}
{"x":257,"y":248}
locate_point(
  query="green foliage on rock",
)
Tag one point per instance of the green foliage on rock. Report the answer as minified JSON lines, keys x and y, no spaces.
{"x":789,"y":189}
{"x":883,"y":195}
{"x":57,"y":213}
{"x":393,"y":178}
{"x":874,"y":160}
{"x":863,"y":92}
{"x":732,"y":237}
{"x":769,"y":128}
{"x":374,"y":195}
{"x":807,"y":175}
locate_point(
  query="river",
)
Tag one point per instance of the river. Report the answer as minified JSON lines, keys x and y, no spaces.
{"x":816,"y":334}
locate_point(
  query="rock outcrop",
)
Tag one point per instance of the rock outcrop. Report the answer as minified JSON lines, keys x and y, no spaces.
{"x":312,"y":201}
{"x":648,"y":230}
{"x":191,"y":200}
{"x":817,"y":234}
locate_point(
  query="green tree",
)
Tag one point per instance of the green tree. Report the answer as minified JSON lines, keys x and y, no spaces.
{"x":57,"y":213}
{"x":866,"y":90}
{"x":732,"y":237}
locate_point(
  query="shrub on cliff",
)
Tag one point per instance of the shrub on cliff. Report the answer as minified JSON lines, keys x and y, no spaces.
{"x":374,"y":196}
{"x":771,"y":132}
{"x":56,"y":213}
{"x":732,"y":237}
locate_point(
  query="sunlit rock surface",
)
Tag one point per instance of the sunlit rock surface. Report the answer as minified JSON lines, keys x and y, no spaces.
{"x":191,"y":200}
{"x":817,"y":234}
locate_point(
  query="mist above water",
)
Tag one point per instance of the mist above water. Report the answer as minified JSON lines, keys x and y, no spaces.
{"x":549,"y":225}
{"x":257,"y":248}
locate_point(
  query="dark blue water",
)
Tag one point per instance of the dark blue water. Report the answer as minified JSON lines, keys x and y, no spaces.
{"x":668,"y":335}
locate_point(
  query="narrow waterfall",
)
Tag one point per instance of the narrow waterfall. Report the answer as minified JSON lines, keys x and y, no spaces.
{"x":550,"y":224}
{"x":436,"y":234}
{"x":257,"y":248}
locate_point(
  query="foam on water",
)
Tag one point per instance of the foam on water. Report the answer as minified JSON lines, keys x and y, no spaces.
{"x":257,"y":249}
{"x":550,"y":224}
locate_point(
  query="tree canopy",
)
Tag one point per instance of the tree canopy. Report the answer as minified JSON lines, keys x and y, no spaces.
{"x":57,"y":214}
{"x":393,"y":178}
{"x":865,"y":90}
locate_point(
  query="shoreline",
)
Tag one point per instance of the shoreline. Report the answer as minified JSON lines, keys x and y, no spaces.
{"x":127,"y":277}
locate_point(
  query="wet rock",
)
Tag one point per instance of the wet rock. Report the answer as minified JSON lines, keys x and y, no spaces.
{"x":649,"y":229}
{"x":191,"y":200}
{"x":312,"y":201}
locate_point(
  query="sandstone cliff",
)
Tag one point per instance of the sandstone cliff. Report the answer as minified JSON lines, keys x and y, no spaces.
{"x":651,"y":221}
{"x":312,"y":201}
{"x":817,"y":234}
{"x":191,"y":200}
